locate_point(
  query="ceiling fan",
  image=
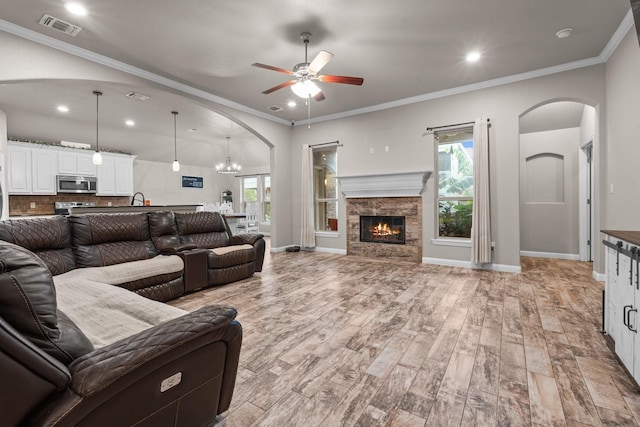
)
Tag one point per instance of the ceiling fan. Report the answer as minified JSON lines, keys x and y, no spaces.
{"x":305,"y":73}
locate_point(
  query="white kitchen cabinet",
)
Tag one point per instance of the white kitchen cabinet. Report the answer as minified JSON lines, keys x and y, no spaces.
{"x":115,"y":175}
{"x":32,"y":170}
{"x":44,"y":165}
{"x":76,"y":162}
{"x":19,"y":169}
{"x":622,"y":300}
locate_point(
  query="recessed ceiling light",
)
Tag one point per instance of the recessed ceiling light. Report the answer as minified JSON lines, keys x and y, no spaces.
{"x":76,"y":9}
{"x":62,"y":108}
{"x":129,"y":122}
{"x":473,"y":56}
{"x":291,"y":103}
{"x":564,"y":33}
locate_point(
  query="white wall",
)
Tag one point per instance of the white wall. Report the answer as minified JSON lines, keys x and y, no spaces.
{"x":402,"y":129}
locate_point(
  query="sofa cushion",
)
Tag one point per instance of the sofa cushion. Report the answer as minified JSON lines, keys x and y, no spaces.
{"x":163,"y":230}
{"x":28,"y":303}
{"x":229,"y":256}
{"x":107,"y":239}
{"x":108,"y":313}
{"x":49,"y":238}
{"x":204,"y":229}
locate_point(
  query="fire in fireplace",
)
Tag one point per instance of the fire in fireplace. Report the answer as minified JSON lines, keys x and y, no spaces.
{"x":382,"y":229}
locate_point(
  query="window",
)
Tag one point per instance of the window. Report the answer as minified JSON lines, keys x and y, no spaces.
{"x":266,"y":198}
{"x":325,"y":188}
{"x":257,"y":189}
{"x":455,"y":182}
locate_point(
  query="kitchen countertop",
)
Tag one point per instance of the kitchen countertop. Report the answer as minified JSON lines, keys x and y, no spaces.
{"x":628,"y":236}
{"x":127,"y":208}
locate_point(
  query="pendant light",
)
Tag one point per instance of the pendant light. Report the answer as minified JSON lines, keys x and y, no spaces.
{"x":227,"y":166}
{"x":97,"y":157}
{"x":176,"y":164}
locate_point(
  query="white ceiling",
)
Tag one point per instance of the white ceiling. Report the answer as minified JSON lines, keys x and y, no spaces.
{"x":401,"y":49}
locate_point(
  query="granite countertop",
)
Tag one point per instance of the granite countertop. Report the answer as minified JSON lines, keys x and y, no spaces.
{"x":129,"y":208}
{"x":626,"y":235}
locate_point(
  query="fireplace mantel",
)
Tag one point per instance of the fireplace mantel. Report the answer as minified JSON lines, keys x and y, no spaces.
{"x":404,"y":184}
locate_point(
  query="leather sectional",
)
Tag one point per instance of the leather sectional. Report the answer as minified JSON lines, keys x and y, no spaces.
{"x":84,"y":338}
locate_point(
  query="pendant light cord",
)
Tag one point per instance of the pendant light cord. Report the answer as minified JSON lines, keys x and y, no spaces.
{"x":97,"y":93}
{"x":175,"y":139}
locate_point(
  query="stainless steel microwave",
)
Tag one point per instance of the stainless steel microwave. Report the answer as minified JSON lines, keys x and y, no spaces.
{"x":76,"y":184}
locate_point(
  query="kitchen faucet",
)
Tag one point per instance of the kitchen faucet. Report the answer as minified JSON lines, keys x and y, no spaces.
{"x":133,"y":199}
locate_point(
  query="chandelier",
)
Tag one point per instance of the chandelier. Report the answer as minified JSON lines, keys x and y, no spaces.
{"x":227,"y":166}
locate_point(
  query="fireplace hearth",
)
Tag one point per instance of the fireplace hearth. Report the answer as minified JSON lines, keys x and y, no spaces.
{"x":382,"y":229}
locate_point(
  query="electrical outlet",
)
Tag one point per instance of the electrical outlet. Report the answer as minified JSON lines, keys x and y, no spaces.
{"x":371,"y":150}
{"x":32,"y":205}
{"x":109,"y":204}
{"x":386,"y":148}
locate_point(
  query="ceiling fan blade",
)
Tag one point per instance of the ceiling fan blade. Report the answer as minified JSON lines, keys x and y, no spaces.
{"x":320,"y":61}
{"x":319,"y":96}
{"x":280,"y":86}
{"x":270,"y":67}
{"x":341,"y":79}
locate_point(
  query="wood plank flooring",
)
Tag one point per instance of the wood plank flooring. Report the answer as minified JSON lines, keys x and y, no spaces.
{"x":334,"y":340}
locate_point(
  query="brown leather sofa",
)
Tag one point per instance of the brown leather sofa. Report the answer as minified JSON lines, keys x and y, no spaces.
{"x":228,"y":258}
{"x":179,"y":373}
{"x":98,"y":240}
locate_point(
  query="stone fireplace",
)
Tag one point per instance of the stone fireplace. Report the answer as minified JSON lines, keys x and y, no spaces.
{"x":387,"y":211}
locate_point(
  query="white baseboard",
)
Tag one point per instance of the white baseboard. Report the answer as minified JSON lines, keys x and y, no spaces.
{"x":600,"y":277}
{"x":572,"y":257}
{"x":467,"y":264}
{"x":275,"y":250}
{"x":327,"y":250}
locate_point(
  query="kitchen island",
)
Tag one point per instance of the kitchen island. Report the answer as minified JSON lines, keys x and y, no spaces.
{"x":136,"y":208}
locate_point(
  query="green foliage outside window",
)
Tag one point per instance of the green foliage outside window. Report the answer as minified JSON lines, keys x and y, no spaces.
{"x":454,"y":219}
{"x":455,"y":185}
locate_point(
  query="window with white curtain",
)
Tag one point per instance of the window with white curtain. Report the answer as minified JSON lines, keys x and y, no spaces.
{"x":455,"y":182}
{"x":325,"y":188}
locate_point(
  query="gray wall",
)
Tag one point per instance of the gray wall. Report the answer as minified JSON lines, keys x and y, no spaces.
{"x":402,"y":129}
{"x":549,"y":192}
{"x":623,"y":129}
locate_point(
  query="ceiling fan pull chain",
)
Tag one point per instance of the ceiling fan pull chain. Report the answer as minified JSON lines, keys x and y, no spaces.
{"x":309,"y":112}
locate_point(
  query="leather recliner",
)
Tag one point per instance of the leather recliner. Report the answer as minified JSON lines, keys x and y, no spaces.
{"x":179,"y":373}
{"x":228,"y":258}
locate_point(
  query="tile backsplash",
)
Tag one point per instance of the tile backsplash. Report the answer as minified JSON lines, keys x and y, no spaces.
{"x":44,"y":205}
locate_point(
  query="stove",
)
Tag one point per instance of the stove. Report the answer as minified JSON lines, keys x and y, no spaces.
{"x":62,"y":208}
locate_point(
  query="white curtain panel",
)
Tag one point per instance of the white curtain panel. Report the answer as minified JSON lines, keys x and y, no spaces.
{"x":307,"y":232}
{"x":481,"y":216}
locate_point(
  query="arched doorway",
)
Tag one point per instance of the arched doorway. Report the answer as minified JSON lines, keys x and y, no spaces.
{"x":556,"y":146}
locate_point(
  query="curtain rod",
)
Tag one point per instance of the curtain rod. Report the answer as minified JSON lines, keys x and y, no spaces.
{"x":326,"y":143}
{"x":431,"y":129}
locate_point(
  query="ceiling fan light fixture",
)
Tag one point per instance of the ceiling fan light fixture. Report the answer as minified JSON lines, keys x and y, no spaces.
{"x":305,"y":89}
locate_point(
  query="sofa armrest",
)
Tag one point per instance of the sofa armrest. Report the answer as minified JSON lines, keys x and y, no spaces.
{"x":101,"y":368}
{"x":163,"y":373}
{"x":178,"y":248}
{"x":245,"y":239}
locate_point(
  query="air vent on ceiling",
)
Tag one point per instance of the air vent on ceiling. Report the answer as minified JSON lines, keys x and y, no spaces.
{"x":138,"y":96}
{"x":60,"y":25}
{"x":275,"y":108}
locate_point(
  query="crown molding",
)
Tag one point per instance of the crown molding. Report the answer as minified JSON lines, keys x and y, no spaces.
{"x":626,"y":24}
{"x":129,"y":69}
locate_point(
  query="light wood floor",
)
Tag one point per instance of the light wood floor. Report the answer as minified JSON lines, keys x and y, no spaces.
{"x":333,"y":340}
